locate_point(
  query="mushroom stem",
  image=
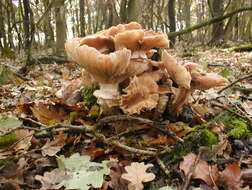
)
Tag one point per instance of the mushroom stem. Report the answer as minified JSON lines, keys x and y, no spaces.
{"x":108,"y":94}
{"x":180,"y":100}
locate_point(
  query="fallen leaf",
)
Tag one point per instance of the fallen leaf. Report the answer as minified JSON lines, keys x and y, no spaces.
{"x":136,"y":175}
{"x":203,"y":171}
{"x":70,"y":93}
{"x":116,"y":171}
{"x":25,"y":137}
{"x":52,"y":147}
{"x":52,"y":180}
{"x":231,"y":177}
{"x":48,"y":114}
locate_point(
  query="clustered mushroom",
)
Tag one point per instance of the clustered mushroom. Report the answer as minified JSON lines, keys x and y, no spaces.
{"x":119,"y":60}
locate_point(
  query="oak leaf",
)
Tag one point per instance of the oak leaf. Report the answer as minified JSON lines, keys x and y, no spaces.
{"x":137,"y":175}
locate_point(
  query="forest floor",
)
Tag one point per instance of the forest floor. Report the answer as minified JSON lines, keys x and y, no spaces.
{"x":52,"y":135}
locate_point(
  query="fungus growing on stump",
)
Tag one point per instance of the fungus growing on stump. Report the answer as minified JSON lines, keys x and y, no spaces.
{"x":118,"y":60}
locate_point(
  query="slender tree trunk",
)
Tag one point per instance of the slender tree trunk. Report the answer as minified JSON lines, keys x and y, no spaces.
{"x":82,"y":17}
{"x":134,"y":10}
{"x":172,"y":20}
{"x":60,"y":27}
{"x":29,"y":29}
{"x":123,"y":11}
{"x":9,"y":24}
{"x":48,"y":30}
{"x":3,"y":40}
{"x":217,"y":10}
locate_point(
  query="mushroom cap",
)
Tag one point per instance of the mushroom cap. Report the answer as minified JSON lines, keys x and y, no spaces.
{"x":204,"y":81}
{"x":142,"y":93}
{"x":154,"y":40}
{"x":130,"y":39}
{"x":71,"y":46}
{"x":112,"y":31}
{"x":191,"y":66}
{"x":99,"y":42}
{"x":177,"y":72}
{"x":104,"y":68}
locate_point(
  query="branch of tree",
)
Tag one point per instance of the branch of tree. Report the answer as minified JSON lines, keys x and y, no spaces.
{"x":208,"y":22}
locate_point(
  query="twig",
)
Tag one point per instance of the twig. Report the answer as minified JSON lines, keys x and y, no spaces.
{"x":11,"y":131}
{"x":15,"y":143}
{"x":233,"y":112}
{"x":162,"y":165}
{"x":91,"y":129}
{"x":159,"y":126}
{"x":233,"y":83}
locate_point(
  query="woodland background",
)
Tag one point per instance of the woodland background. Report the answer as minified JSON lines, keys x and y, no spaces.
{"x":46,"y":24}
{"x":64,"y":142}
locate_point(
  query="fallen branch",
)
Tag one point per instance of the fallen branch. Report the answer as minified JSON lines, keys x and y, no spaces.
{"x":153,"y":124}
{"x":208,"y":22}
{"x":236,"y":81}
{"x":91,"y":129}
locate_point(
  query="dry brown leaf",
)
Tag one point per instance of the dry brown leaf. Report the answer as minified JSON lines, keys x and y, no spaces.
{"x":25,"y":137}
{"x":116,"y":170}
{"x":136,"y":175}
{"x":70,"y":93}
{"x":231,"y":177}
{"x":203,"y":171}
{"x":52,"y":147}
{"x":52,"y":180}
{"x":48,"y":114}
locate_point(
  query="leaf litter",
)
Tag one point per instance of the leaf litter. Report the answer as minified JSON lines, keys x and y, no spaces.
{"x":34,"y":157}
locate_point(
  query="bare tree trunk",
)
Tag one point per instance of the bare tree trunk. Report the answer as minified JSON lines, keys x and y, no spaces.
{"x":134,"y":10}
{"x":123,"y":11}
{"x":9,"y":24}
{"x":82,"y":17}
{"x":48,"y":30}
{"x":217,"y":10}
{"x":29,"y":29}
{"x":60,"y":26}
{"x":3,"y":39}
{"x":172,"y":20}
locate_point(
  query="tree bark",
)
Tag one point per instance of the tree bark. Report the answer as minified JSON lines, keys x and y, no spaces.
{"x":60,"y":26}
{"x":82,"y":17}
{"x":123,"y":11}
{"x":3,"y":40}
{"x":217,"y":10}
{"x":29,"y":29}
{"x":48,"y":30}
{"x":134,"y":10}
{"x":172,"y":20}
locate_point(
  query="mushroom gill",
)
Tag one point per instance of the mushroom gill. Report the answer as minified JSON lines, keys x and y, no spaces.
{"x":108,"y":70}
{"x":141,"y":94}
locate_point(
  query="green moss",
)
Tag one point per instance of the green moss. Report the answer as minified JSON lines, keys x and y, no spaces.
{"x":208,"y":138}
{"x":88,"y":97}
{"x":241,"y":48}
{"x":239,"y":129}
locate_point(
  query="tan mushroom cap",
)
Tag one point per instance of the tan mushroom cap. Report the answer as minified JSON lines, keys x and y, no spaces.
{"x":112,"y":31}
{"x":141,"y":94}
{"x":71,"y":46}
{"x":104,"y":68}
{"x":100,"y":42}
{"x":177,"y":72}
{"x":204,"y":81}
{"x":129,"y":39}
{"x":154,"y":40}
